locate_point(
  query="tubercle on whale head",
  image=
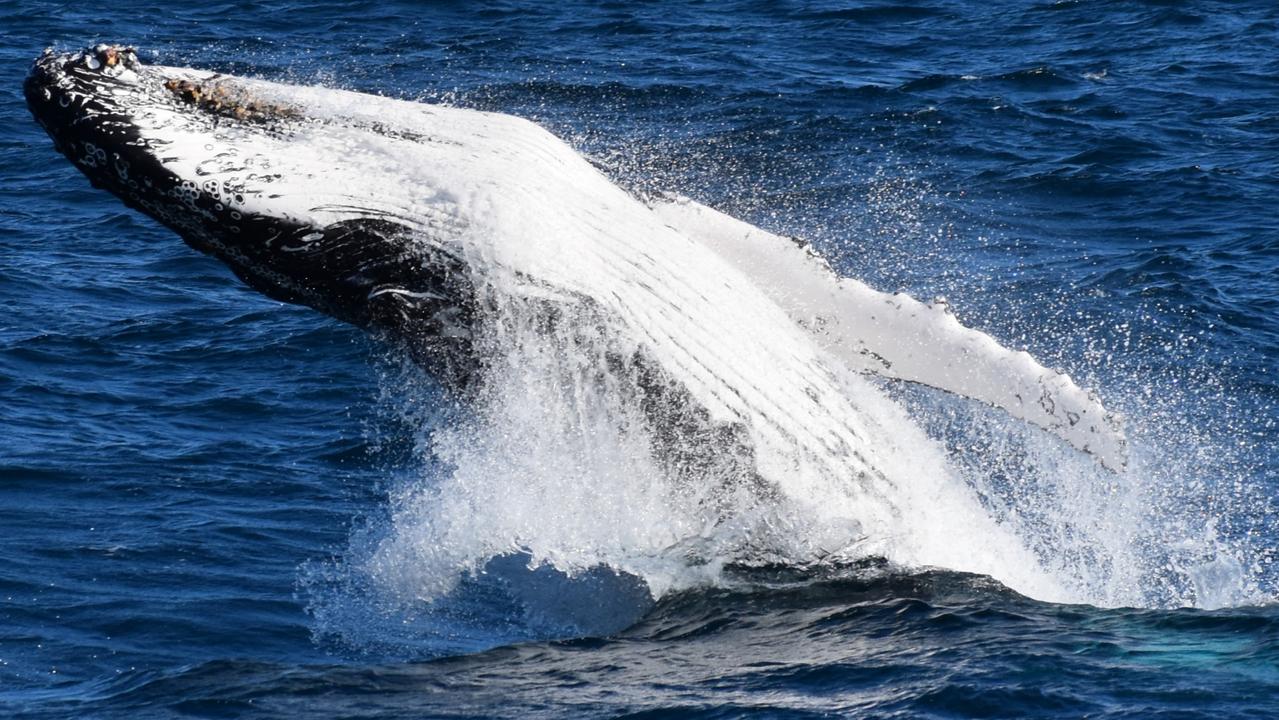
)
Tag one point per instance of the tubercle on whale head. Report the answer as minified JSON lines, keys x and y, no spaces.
{"x":62,"y":88}
{"x":126,"y":126}
{"x":112,"y":55}
{"x":113,"y":75}
{"x":76,"y":71}
{"x":108,"y":58}
{"x":90,"y":102}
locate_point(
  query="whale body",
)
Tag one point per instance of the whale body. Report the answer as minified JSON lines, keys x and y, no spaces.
{"x":408,"y":219}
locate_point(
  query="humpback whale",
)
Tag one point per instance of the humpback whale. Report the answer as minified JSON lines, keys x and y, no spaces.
{"x":408,"y":219}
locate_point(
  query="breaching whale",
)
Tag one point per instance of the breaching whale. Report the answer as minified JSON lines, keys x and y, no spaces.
{"x":400,"y":217}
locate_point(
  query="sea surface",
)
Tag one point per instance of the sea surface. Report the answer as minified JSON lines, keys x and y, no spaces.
{"x":195,"y":481}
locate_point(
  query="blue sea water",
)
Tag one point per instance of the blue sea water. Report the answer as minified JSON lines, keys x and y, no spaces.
{"x":190,"y":473}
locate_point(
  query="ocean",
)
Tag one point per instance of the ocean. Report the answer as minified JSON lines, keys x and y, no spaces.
{"x":216,"y":505}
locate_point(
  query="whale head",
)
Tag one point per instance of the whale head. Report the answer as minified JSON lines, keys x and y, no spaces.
{"x":233,"y":173}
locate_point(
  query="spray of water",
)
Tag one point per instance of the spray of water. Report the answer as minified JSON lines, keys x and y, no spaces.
{"x":556,"y":462}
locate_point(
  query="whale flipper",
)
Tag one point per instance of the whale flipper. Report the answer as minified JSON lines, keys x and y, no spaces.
{"x":898,"y":337}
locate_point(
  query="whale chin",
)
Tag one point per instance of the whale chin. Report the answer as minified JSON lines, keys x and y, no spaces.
{"x":418,"y":222}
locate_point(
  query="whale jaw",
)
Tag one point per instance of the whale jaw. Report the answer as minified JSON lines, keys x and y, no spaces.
{"x":132,"y":130}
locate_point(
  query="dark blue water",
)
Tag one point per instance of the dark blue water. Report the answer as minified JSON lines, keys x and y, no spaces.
{"x":189,"y":471}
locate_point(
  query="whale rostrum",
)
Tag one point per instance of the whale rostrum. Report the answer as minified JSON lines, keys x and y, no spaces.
{"x":396,"y":216}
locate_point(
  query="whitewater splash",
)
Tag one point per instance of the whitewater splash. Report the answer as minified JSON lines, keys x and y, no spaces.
{"x":558,"y":460}
{"x":556,"y":468}
{"x":662,"y":389}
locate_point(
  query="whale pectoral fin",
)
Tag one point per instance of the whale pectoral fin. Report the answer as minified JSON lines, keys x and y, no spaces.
{"x":898,"y":337}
